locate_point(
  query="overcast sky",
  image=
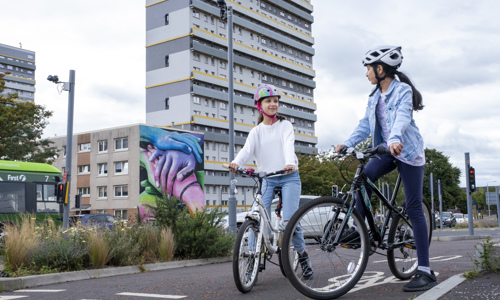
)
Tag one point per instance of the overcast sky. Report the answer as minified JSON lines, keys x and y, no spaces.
{"x":450,"y":51}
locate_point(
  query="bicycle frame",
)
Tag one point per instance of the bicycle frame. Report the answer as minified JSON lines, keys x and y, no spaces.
{"x":359,"y":184}
{"x":259,"y":213}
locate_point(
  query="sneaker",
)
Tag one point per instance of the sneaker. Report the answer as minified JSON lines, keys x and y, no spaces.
{"x":422,"y":281}
{"x":305,"y":264}
{"x":350,"y":236}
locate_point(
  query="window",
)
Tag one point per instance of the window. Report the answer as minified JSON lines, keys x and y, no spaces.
{"x":223,"y":105}
{"x":196,"y":14}
{"x":85,"y":191}
{"x":264,"y":41}
{"x":101,"y":211}
{"x":102,"y":169}
{"x":102,"y":192}
{"x":102,"y":146}
{"x":64,"y":151}
{"x":223,"y":64}
{"x":196,"y":100}
{"x":223,"y":147}
{"x":166,"y":61}
{"x":84,"y":147}
{"x":166,"y":103}
{"x":121,"y":214}
{"x":121,"y":190}
{"x":197,"y":57}
{"x":224,"y":189}
{"x":121,"y":167}
{"x":84,"y":169}
{"x":121,"y":144}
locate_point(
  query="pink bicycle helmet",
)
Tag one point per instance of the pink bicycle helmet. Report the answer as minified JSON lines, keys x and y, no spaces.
{"x":266,"y":90}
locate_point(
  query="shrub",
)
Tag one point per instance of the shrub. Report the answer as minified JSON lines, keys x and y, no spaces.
{"x":66,"y":251}
{"x":167,"y":245}
{"x":19,"y":242}
{"x":124,"y":247}
{"x":99,"y":251}
{"x":196,"y":236}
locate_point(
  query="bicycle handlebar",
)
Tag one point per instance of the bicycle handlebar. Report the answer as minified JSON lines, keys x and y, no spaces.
{"x":251,"y":172}
{"x":368,"y":153}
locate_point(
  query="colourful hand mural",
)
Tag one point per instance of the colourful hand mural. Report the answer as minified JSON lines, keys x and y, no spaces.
{"x":171,"y":163}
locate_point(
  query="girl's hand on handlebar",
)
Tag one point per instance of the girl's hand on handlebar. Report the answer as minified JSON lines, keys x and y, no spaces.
{"x":337,"y":149}
{"x":396,"y":148}
{"x":289,"y":169}
{"x":233,"y":167}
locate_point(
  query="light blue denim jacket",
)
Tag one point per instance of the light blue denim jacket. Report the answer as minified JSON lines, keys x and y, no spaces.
{"x":400,"y":123}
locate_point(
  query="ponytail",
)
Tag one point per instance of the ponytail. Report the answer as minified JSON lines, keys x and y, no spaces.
{"x":417,"y":97}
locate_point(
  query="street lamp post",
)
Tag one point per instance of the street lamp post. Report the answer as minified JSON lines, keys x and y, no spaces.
{"x":70,"y":87}
{"x":226,"y":12}
{"x":488,"y":197}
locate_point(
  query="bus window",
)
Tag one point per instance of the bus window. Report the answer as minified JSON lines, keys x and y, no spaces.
{"x":46,"y":198}
{"x":12,"y":197}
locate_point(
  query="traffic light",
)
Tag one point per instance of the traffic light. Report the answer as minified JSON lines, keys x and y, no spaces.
{"x":472,"y":179}
{"x":335,"y":191}
{"x":62,"y":192}
{"x":78,"y":199}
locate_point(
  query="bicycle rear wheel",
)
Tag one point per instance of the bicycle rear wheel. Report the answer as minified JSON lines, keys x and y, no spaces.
{"x":245,"y":260}
{"x":337,"y":268}
{"x":403,"y":260}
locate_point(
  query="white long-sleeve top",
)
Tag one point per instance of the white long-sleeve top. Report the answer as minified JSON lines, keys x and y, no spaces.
{"x":271,"y":145}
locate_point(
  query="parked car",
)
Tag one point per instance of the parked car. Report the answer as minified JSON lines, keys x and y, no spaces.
{"x":448,"y":219}
{"x":240,"y":217}
{"x":91,"y":220}
{"x":460,"y":218}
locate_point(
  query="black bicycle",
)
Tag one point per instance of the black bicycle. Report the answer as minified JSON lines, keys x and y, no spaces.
{"x":338,"y":254}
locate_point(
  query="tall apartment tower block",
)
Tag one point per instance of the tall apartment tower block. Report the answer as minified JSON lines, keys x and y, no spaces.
{"x":187,"y":75}
{"x":20,"y":63}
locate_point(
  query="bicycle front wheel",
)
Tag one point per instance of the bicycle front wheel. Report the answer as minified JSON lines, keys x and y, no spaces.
{"x":294,"y":256}
{"x":403,"y":260}
{"x":245,"y":260}
{"x":337,"y":267}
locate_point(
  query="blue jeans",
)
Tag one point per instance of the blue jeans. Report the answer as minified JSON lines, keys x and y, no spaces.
{"x":413,"y":179}
{"x":290,"y":190}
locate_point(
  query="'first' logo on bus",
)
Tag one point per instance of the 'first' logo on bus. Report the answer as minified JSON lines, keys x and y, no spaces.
{"x":16,"y":178}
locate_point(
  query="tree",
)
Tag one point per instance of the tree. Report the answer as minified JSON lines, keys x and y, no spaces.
{"x":318,"y":173}
{"x":440,"y":167}
{"x":21,"y":129}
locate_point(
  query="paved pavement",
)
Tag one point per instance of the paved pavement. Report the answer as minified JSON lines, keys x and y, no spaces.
{"x":485,"y":286}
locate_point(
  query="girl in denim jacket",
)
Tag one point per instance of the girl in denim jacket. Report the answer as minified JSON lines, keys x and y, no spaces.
{"x":389,"y":121}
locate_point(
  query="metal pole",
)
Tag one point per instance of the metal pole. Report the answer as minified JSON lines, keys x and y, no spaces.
{"x":440,"y":205}
{"x":432,"y":201}
{"x":488,"y":198}
{"x":232,"y":199}
{"x":69,"y":145}
{"x":498,"y":204}
{"x":469,"y":196}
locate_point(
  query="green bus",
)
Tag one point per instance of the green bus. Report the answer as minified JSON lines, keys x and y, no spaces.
{"x":27,"y":187}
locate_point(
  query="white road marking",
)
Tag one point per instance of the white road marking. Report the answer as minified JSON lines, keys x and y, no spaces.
{"x":39,"y":291}
{"x":437,"y":258}
{"x":151,"y":295}
{"x":11,"y":297}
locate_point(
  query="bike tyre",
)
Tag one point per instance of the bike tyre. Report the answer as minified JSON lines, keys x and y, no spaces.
{"x":242,"y":259}
{"x":403,"y":261}
{"x":337,"y":270}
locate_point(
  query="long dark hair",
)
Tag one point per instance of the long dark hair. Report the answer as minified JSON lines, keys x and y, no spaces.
{"x":391,"y":72}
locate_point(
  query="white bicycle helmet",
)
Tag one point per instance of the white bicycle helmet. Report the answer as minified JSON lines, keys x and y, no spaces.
{"x":390,"y":55}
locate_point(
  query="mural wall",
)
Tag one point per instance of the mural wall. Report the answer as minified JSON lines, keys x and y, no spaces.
{"x":171,"y":163}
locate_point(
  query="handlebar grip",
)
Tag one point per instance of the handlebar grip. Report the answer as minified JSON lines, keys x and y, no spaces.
{"x":383,"y":150}
{"x":225,"y":166}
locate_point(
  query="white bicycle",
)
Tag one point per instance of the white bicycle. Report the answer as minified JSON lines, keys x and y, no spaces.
{"x":257,"y":239}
